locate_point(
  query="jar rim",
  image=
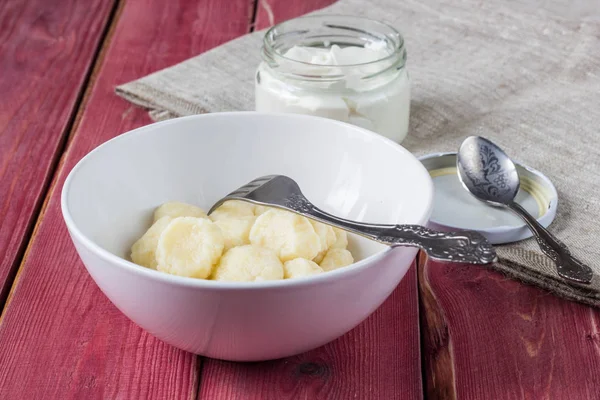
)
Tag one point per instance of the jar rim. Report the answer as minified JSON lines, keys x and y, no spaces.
{"x":397,"y":53}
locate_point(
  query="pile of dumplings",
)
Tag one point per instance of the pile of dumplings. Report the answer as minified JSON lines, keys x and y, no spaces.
{"x":239,"y":242}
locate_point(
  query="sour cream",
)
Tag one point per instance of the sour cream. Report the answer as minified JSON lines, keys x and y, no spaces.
{"x":363,"y":85}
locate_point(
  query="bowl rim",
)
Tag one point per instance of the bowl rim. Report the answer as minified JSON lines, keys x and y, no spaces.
{"x":353,"y":269}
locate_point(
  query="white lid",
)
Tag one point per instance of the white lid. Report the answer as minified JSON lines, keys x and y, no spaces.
{"x":454,"y":208}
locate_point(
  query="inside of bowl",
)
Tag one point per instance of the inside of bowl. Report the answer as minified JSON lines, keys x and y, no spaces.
{"x":112,"y":193}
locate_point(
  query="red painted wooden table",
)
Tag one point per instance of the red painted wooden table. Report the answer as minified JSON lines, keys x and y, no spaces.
{"x":448,"y":331}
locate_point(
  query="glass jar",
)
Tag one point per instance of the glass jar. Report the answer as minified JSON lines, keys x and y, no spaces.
{"x":350,"y":69}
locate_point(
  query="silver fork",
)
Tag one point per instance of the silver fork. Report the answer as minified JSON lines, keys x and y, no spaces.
{"x":283,"y":192}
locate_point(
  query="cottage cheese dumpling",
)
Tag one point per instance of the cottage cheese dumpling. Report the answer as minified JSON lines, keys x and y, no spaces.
{"x":143,"y":252}
{"x":336,"y":258}
{"x":233,"y":209}
{"x":289,"y":235}
{"x":248,"y":264}
{"x":236,"y":231}
{"x":239,"y":241}
{"x":326,"y":236}
{"x":300,"y":267}
{"x":189,"y":247}
{"x":341,"y":239}
{"x":176,"y":209}
{"x":259,"y":210}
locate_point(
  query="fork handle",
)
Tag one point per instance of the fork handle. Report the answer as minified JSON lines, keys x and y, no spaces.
{"x":462,"y":247}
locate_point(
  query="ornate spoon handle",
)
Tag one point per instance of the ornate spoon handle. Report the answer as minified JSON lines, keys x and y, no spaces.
{"x":567,"y":266}
{"x":463,"y":247}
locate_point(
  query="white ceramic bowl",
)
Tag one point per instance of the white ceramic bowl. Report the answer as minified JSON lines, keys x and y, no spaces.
{"x":108,"y":199}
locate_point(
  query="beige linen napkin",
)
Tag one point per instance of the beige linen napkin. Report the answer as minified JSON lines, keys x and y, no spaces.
{"x":527,"y":79}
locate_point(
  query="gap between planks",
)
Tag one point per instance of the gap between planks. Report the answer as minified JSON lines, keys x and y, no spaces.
{"x":434,"y":339}
{"x":255,"y":6}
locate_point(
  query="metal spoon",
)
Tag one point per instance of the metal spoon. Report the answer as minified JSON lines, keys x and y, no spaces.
{"x":491,"y":176}
{"x":283,"y":192}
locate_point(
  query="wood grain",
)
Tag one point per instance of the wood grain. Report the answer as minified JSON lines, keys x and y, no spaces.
{"x":488,"y":337}
{"x":46,"y":51}
{"x":379,"y":359}
{"x":60,"y":338}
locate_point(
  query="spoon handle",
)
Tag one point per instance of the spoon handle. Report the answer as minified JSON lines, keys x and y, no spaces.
{"x":567,"y":266}
{"x":463,"y":247}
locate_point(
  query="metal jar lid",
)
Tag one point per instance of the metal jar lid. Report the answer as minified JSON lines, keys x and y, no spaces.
{"x":456,"y":209}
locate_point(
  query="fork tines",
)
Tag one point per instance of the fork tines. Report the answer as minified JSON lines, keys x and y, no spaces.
{"x":251,"y":186}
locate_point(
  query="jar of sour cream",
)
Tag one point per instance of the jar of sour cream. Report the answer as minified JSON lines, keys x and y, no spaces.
{"x":350,"y":69}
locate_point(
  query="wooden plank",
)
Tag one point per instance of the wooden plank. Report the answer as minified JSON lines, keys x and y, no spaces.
{"x":46,"y":50}
{"x":488,"y":337}
{"x":60,"y":337}
{"x":380,"y":359}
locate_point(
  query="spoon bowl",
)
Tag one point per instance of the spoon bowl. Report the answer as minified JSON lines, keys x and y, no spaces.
{"x":487,"y":172}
